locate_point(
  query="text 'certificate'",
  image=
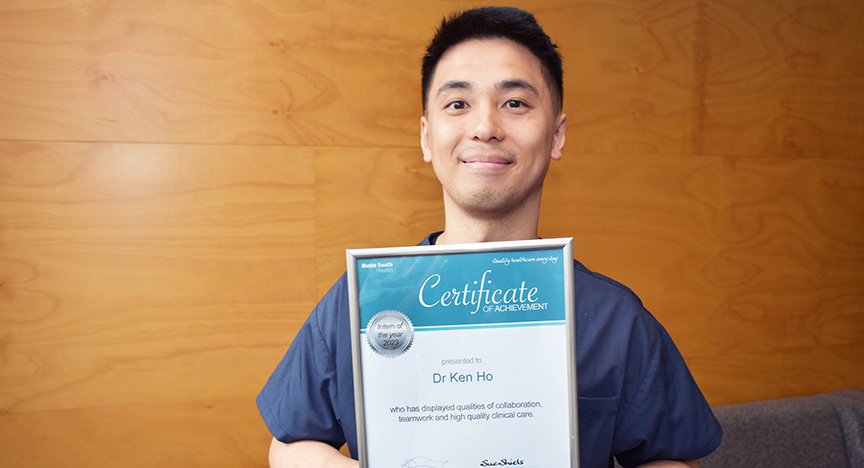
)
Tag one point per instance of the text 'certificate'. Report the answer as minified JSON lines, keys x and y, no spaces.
{"x":464,"y":355}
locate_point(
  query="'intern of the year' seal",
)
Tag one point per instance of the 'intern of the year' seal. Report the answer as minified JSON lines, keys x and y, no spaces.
{"x":390,"y":333}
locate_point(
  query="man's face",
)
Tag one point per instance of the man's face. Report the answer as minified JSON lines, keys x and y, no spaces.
{"x":490,"y":128}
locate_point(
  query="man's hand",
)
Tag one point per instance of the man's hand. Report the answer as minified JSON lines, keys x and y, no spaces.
{"x":671,"y":464}
{"x":314,"y":454}
{"x":307,"y":454}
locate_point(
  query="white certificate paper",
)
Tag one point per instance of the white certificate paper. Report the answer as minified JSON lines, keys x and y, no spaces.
{"x":464,"y":355}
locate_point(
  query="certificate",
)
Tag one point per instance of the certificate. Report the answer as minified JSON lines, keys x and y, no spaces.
{"x":464,"y":355}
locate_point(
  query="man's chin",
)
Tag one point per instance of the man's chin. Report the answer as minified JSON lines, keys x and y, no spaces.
{"x":488,"y":205}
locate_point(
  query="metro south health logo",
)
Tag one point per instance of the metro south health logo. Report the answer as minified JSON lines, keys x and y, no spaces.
{"x":380,"y":267}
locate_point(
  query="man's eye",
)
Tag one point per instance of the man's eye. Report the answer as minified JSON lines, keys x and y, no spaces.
{"x":514,"y":104}
{"x":457,"y":105}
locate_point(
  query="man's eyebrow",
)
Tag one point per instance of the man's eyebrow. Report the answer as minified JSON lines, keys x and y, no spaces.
{"x":503,"y":85}
{"x":454,"y":84}
{"x":516,"y":84}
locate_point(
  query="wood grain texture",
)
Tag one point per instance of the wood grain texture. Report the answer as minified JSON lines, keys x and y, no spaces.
{"x":211,"y":432}
{"x":733,"y":255}
{"x":631,"y":80}
{"x":741,"y":377}
{"x":371,"y":198}
{"x":144,"y":273}
{"x":177,"y":72}
{"x":783,"y":79}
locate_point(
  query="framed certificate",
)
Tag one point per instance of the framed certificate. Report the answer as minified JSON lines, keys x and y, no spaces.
{"x":464,"y":355}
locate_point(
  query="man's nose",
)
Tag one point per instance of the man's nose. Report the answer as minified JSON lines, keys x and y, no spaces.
{"x":487,"y":124}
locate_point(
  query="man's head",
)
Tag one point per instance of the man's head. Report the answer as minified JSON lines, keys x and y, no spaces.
{"x":492,"y":122}
{"x":510,"y":23}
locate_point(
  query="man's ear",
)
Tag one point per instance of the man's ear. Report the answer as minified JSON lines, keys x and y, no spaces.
{"x":424,"y":139}
{"x":559,"y":137}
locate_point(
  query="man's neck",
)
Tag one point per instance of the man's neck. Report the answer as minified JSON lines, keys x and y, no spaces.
{"x":450,"y":236}
{"x":466,"y":228}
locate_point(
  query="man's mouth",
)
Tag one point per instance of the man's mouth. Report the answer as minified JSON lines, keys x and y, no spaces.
{"x":487,"y":162}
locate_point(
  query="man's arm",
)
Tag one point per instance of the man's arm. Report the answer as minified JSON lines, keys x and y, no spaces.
{"x":671,"y":464}
{"x":307,"y":454}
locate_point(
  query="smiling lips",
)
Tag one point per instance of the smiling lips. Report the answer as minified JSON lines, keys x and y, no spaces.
{"x":487,"y":162}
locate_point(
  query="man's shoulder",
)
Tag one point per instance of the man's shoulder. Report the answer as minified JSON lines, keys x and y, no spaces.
{"x":604,"y":303}
{"x":588,"y":280}
{"x":337,"y":295}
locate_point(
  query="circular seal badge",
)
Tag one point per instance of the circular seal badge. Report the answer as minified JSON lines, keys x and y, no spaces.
{"x":390,"y":333}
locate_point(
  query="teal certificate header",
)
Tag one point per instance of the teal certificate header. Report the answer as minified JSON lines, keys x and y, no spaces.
{"x":473,"y":289}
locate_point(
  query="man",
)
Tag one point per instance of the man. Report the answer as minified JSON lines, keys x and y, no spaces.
{"x":492,"y":96}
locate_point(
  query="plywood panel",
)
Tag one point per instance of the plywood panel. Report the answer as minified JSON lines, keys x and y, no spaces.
{"x":792,"y":233}
{"x":371,"y":198}
{"x":378,"y":60}
{"x":740,"y":377}
{"x":138,"y":273}
{"x":194,"y":71}
{"x":311,"y":73}
{"x":733,"y":255}
{"x":631,"y":78}
{"x":213,"y":433}
{"x":647,"y":222}
{"x":783,"y":79}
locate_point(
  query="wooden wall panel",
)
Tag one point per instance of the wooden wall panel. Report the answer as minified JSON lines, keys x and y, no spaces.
{"x":371,"y":198}
{"x":376,"y":63}
{"x":750,"y":376}
{"x":202,"y":434}
{"x":631,"y":80}
{"x":736,"y":256}
{"x":660,"y":243}
{"x":179,"y":72}
{"x":129,"y":268}
{"x":783,"y":79}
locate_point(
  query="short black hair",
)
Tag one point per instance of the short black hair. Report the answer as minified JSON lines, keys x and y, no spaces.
{"x":510,"y":23}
